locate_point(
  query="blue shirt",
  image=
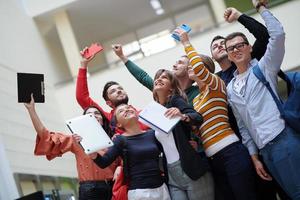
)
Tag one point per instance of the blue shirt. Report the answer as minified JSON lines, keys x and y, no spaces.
{"x":257,"y":115}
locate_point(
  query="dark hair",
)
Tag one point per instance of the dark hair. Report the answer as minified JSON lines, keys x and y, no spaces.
{"x":218,"y":37}
{"x":114,"y":119}
{"x":236,"y":34}
{"x":174,"y":84}
{"x":207,"y":61}
{"x":105,"y":88}
{"x":106,"y":124}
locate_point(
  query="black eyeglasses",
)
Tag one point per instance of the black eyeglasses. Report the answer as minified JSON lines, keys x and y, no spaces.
{"x":238,"y":46}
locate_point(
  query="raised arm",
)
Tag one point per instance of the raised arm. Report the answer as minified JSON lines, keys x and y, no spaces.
{"x":200,"y":71}
{"x":37,"y":123}
{"x":48,"y":143}
{"x":274,"y":54}
{"x":138,"y":73}
{"x":82,"y":92}
{"x":258,"y":30}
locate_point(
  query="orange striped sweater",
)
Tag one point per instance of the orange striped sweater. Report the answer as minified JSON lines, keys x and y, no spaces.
{"x":211,"y":103}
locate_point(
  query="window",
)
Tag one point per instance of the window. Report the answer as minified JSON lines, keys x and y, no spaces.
{"x":157,"y":43}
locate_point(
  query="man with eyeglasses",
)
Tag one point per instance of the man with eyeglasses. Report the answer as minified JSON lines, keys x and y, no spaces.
{"x":258,"y":117}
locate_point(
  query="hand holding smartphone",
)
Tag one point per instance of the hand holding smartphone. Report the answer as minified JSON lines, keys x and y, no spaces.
{"x":183,"y":27}
{"x":92,"y":50}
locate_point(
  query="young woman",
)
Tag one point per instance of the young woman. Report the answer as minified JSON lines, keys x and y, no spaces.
{"x":143,"y":174}
{"x":230,"y":160}
{"x":94,"y":183}
{"x":187,"y":173}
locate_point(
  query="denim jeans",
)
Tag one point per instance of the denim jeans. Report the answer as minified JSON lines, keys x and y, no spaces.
{"x":282,"y":157}
{"x":95,"y":190}
{"x":233,"y":173}
{"x":182,"y":187}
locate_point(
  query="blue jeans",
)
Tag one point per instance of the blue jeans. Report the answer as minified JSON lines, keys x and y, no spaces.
{"x":182,"y":187}
{"x":233,"y":173}
{"x":95,"y":190}
{"x":282,"y":157}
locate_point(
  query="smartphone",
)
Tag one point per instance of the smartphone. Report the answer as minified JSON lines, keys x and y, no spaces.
{"x":92,"y":50}
{"x":185,"y":28}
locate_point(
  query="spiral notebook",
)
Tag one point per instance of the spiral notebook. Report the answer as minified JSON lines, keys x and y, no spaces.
{"x":94,"y":138}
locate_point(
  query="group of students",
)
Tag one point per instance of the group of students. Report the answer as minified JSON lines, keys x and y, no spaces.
{"x":237,"y":142}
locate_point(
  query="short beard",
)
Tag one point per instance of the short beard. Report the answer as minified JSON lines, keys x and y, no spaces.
{"x":122,"y":101}
{"x":222,"y":58}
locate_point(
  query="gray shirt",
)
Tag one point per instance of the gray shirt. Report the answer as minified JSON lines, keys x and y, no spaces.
{"x":257,"y":115}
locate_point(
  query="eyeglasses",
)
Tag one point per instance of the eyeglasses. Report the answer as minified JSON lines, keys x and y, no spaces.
{"x":238,"y":46}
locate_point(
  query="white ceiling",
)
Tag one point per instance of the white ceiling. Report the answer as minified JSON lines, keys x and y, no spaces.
{"x":99,"y":20}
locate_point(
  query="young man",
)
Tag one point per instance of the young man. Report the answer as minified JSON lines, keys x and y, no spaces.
{"x":259,"y":120}
{"x":217,"y":46}
{"x":113,"y":94}
{"x":266,"y":189}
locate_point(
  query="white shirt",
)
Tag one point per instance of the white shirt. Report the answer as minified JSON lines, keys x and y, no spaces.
{"x":169,"y":146}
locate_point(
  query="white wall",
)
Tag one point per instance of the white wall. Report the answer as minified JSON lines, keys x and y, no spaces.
{"x":139,"y":96}
{"x":37,"y":7}
{"x":23,"y":50}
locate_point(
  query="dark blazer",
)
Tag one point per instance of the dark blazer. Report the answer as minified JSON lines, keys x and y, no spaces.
{"x":192,"y":163}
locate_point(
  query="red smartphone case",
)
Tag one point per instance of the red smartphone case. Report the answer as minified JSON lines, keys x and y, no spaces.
{"x":92,"y":50}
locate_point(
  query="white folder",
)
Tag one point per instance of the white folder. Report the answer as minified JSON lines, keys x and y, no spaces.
{"x":94,"y":138}
{"x":153,"y":116}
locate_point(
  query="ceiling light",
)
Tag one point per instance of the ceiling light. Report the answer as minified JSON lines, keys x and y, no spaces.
{"x":155,"y":4}
{"x":159,"y":11}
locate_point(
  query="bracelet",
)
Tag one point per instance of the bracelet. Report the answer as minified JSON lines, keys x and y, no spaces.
{"x":259,"y":4}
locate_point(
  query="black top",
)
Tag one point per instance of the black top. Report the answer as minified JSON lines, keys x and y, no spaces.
{"x":259,"y":47}
{"x":142,"y":158}
{"x":193,"y":164}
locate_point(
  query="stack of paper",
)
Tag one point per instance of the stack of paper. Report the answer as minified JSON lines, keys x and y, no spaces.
{"x":153,"y":115}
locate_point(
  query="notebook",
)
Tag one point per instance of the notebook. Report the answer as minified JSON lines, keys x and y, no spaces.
{"x":30,"y":83}
{"x":34,"y":196}
{"x":153,"y":116}
{"x":94,"y":138}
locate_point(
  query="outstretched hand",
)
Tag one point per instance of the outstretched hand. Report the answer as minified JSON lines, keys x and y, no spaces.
{"x":118,"y":50}
{"x":256,"y":2}
{"x":231,"y":14}
{"x":84,"y":62}
{"x":31,"y":104}
{"x":184,"y":37}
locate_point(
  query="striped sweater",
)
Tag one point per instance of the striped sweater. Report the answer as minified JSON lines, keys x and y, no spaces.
{"x":211,"y":103}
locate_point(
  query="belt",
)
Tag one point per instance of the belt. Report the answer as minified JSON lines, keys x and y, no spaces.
{"x":106,"y":182}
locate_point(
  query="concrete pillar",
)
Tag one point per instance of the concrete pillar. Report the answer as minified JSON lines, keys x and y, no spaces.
{"x":218,"y":8}
{"x":68,"y":41}
{"x":8,"y":188}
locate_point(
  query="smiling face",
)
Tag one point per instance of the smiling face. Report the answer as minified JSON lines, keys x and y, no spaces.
{"x":124,"y":114}
{"x":239,"y":51}
{"x":218,"y":50}
{"x":116,"y":95}
{"x":181,"y":67}
{"x":162,"y":83}
{"x":96,"y":113}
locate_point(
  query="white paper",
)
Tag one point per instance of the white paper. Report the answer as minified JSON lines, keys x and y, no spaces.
{"x":153,"y":116}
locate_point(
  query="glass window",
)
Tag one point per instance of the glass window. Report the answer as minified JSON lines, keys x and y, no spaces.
{"x":157,"y":43}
